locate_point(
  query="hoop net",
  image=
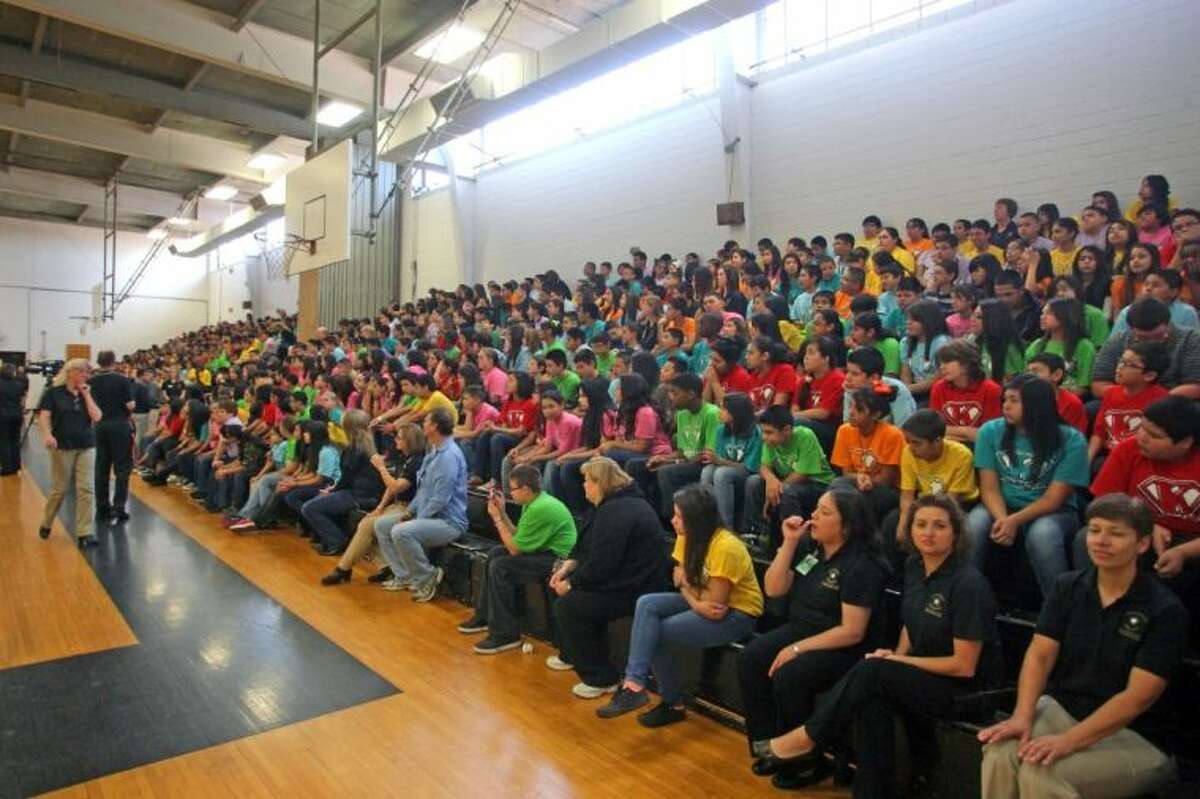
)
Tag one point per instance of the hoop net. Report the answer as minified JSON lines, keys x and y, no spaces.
{"x":279,"y":257}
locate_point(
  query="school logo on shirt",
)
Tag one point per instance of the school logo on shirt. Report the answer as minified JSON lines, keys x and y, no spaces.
{"x":814,"y":399}
{"x":937,"y":486}
{"x":1133,"y":625}
{"x":1177,"y":498}
{"x":762,"y":396}
{"x":963,"y":413}
{"x":936,"y":606}
{"x":1018,"y":469}
{"x":832,"y":579}
{"x":1121,"y":424}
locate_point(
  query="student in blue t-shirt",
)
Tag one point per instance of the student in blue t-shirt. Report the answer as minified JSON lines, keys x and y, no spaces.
{"x":1030,"y":464}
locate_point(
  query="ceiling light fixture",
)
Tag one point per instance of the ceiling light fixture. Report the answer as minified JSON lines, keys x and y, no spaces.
{"x":221,"y":192}
{"x":448,"y":46}
{"x":336,"y":113}
{"x":266,"y":161}
{"x":157,"y":233}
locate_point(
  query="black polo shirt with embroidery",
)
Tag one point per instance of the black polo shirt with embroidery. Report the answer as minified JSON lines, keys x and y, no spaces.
{"x":822,"y":586}
{"x":69,"y":421}
{"x":1146,"y":628}
{"x":953,"y":602}
{"x":112,"y":392}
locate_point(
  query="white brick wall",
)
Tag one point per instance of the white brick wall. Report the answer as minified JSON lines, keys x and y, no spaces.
{"x":1037,"y":100}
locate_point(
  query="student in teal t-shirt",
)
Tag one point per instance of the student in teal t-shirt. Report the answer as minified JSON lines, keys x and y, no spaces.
{"x":532,"y":548}
{"x":792,"y":476}
{"x":696,"y":423}
{"x":738,"y":455}
{"x":1030,"y":465}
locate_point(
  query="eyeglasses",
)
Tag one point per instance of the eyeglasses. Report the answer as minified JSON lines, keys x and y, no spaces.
{"x":1124,"y":364}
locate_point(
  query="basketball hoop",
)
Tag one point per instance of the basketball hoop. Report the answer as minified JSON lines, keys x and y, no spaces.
{"x":279,"y":257}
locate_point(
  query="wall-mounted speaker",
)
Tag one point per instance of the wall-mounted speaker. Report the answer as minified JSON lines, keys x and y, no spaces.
{"x":731,"y":214}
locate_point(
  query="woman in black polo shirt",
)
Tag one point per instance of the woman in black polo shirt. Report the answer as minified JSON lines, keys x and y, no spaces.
{"x":67,"y":415}
{"x":833,"y":578}
{"x":1108,"y":640}
{"x":948,"y":647}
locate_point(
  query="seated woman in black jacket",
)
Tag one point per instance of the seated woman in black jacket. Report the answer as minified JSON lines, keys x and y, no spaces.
{"x":948,"y":647}
{"x":833,"y":577}
{"x":621,"y":553}
{"x":358,"y":488}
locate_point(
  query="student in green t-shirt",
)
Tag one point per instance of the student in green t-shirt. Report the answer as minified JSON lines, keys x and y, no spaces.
{"x":696,"y":423}
{"x":532,"y":548}
{"x":566,"y":381}
{"x":1063,"y":334}
{"x":792,"y":475}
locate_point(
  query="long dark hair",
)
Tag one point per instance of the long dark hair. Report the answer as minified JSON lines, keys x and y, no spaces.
{"x":858,"y":520}
{"x":828,"y":348}
{"x":599,"y":403}
{"x":933,"y":324}
{"x":999,"y":334}
{"x":197,"y":416}
{"x":698,"y":508}
{"x":991,"y":268}
{"x":635,"y":394}
{"x":743,"y":420}
{"x":767,"y":325}
{"x":318,"y":432}
{"x":1096,"y":292}
{"x":1132,"y":232}
{"x":516,"y":340}
{"x":1127,"y":292}
{"x":645,"y":365}
{"x":1039,"y":421}
{"x":1069,"y":314}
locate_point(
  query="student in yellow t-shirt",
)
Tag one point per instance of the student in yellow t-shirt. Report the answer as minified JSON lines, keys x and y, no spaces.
{"x":930,"y":465}
{"x":867,"y":449}
{"x":428,"y":399}
{"x":979,"y":241}
{"x":1063,"y":233}
{"x":871,"y":225}
{"x":717,"y":603}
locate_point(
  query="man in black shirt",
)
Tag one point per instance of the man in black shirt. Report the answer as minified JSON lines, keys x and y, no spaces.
{"x":1108,"y":640}
{"x":66,"y":414}
{"x":12,"y":410}
{"x":113,"y":393}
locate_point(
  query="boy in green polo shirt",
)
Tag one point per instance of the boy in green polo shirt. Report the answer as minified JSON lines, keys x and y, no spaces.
{"x":696,"y":423}
{"x":531,"y":548}
{"x":792,"y":476}
{"x":566,"y":381}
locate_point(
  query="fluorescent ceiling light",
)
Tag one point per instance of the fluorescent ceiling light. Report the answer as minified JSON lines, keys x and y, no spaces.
{"x":448,"y":46}
{"x":336,"y":113}
{"x":180,"y":220}
{"x":266,"y":161}
{"x":225,"y":192}
{"x":157,"y":233}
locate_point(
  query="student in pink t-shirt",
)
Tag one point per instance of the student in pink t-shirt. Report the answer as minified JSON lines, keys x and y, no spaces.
{"x":642,"y":433}
{"x":561,"y":434}
{"x":477,"y":412}
{"x":495,"y":379}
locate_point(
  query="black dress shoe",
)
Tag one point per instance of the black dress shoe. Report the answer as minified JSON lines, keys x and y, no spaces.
{"x":120,"y":517}
{"x":802,"y":772}
{"x":44,"y":533}
{"x":764,"y":766}
{"x":87,"y":541}
{"x":338,"y":575}
{"x":381,"y":576}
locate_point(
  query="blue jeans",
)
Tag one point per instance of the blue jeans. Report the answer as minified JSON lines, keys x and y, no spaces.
{"x":729,"y":484}
{"x":489,"y":454}
{"x":660,"y":620}
{"x":325,"y":514}
{"x":260,"y":495}
{"x":403,"y":545}
{"x":551,"y":478}
{"x":1046,"y":541}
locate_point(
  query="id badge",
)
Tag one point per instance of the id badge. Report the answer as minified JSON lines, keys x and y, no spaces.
{"x":806,"y":565}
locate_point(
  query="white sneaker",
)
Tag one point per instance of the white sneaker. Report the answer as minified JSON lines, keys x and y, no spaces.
{"x":173,"y":479}
{"x":556,"y":663}
{"x":585,"y":691}
{"x":395,"y":584}
{"x":428,"y":591}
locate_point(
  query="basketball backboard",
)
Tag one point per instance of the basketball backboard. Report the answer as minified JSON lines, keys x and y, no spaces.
{"x":317,"y":209}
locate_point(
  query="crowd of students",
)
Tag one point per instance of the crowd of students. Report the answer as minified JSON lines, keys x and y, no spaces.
{"x":892,"y":412}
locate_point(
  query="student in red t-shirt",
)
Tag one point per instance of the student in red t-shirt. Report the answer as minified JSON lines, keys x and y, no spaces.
{"x":1160,"y":465}
{"x":818,"y":404}
{"x":518,"y":420}
{"x":963,"y":395}
{"x":1122,"y":405}
{"x":724,"y":373}
{"x":1049,"y":366}
{"x":773,"y":380}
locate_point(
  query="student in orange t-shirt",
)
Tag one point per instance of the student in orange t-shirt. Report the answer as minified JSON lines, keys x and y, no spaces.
{"x":852,"y":285}
{"x":867,"y":449}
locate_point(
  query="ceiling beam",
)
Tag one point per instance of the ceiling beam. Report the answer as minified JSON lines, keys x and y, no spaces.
{"x":65,"y":188}
{"x":100,"y":132}
{"x":62,"y":220}
{"x":245,"y":13}
{"x":416,"y":37}
{"x":75,"y":74}
{"x":188,"y":85}
{"x":197,"y":33}
{"x":39,"y":36}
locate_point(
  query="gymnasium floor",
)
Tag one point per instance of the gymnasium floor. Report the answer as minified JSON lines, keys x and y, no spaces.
{"x":178,"y":659}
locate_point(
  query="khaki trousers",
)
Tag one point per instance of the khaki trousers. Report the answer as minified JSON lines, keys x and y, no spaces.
{"x":1123,"y":764}
{"x":67,"y":465}
{"x":364,"y":535}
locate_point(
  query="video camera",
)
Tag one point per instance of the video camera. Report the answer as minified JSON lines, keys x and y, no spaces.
{"x":47,"y":368}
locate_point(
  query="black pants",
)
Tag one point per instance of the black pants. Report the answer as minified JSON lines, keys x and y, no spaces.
{"x":775,"y":705}
{"x":871,"y":696}
{"x":583,"y":618}
{"x":114,"y":455}
{"x":10,"y":444}
{"x":505,"y":575}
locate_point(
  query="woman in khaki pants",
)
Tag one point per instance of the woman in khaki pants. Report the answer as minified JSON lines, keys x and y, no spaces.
{"x":410,"y":446}
{"x":67,"y":416}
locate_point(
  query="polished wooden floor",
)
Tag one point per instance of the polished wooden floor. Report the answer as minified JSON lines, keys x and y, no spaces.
{"x":464,"y":724}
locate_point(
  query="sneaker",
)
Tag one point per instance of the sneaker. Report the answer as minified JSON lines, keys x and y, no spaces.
{"x":173,"y":480}
{"x":623,"y":701}
{"x":230,"y":521}
{"x":494,"y":646}
{"x":555,"y":663}
{"x":585,"y":691}
{"x":475,"y":624}
{"x":243,"y":526}
{"x":429,"y":590}
{"x":395,"y":584}
{"x":661,"y":715}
